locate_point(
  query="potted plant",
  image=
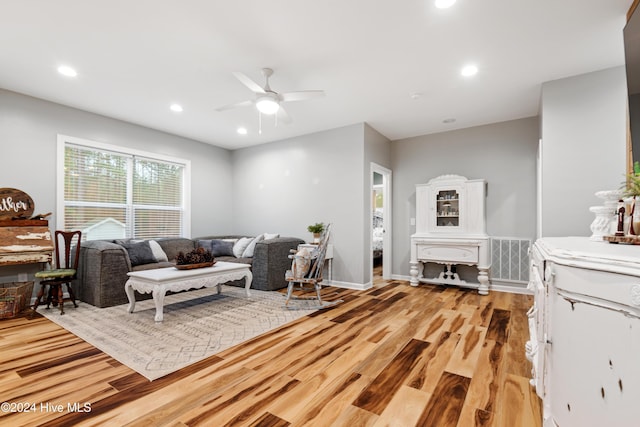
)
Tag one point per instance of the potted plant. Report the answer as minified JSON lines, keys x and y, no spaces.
{"x":316,"y":229}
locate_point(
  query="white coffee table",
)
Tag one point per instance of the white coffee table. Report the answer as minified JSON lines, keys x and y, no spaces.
{"x":160,"y":280}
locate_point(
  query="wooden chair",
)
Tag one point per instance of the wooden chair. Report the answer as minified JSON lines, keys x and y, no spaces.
{"x":66,"y":242}
{"x":313,"y":277}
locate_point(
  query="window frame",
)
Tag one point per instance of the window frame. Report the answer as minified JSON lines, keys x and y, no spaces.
{"x":63,"y":140}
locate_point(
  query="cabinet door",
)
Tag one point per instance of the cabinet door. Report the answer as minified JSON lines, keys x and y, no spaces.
{"x":447,"y":209}
{"x":593,"y":355}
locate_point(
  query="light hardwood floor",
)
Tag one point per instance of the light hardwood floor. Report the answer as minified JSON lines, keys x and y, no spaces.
{"x":390,"y":356}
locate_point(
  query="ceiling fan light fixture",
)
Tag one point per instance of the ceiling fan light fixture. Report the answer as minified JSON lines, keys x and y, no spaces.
{"x":267,"y":104}
{"x":444,"y":4}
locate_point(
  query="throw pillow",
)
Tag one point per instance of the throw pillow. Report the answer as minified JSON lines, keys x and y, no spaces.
{"x":218,"y":247}
{"x":158,"y":252}
{"x":139,"y":253}
{"x":204,"y":244}
{"x":241,"y":245}
{"x":221,"y":248}
{"x":248,"y":252}
{"x":269,"y":236}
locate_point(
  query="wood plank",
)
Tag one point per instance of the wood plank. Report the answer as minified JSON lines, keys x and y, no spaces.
{"x":379,"y":393}
{"x":445,"y":411}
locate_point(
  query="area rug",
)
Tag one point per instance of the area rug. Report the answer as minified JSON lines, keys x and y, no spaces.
{"x":197,"y":324}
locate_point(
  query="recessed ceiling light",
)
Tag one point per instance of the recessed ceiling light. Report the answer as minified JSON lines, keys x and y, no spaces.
{"x":444,"y":4}
{"x":177,"y":108}
{"x":65,"y":70}
{"x":469,"y":70}
{"x":416,"y":95}
{"x":242,"y":131}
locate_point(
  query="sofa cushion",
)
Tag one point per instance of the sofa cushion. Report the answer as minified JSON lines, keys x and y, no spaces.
{"x":152,"y":265}
{"x":248,"y":252}
{"x":217,"y":247}
{"x":172,"y":246}
{"x":158,"y":252}
{"x":139,"y":253}
{"x":240,"y":246}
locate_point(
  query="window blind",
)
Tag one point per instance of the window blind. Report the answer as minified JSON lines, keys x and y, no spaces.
{"x":112,"y":195}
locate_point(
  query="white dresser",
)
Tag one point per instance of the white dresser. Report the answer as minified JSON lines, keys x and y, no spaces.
{"x":450,"y":230}
{"x":585,"y":331}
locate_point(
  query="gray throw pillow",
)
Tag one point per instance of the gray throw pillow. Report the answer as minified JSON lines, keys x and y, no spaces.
{"x":139,"y":253}
{"x":217,"y":247}
{"x":221,"y":248}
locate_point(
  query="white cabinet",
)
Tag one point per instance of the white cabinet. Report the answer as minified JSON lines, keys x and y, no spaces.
{"x":585,"y":331}
{"x":451,"y":230}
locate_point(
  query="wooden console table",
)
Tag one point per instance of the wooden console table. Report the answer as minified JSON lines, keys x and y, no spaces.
{"x":25,"y":241}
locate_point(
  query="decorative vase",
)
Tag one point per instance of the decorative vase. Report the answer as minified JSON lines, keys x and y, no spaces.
{"x":316,"y":237}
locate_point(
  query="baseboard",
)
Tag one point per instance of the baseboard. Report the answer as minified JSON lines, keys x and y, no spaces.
{"x":349,"y":285}
{"x":514,"y":288}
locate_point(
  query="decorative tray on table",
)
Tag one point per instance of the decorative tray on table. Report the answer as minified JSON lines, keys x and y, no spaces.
{"x":192,"y":266}
{"x":197,"y":258}
{"x":629,"y":240}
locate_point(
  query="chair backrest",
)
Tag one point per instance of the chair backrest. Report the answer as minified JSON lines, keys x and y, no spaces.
{"x":318,"y":265}
{"x":68,"y":243}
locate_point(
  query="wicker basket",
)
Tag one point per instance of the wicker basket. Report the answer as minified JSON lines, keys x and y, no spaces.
{"x":14,"y":297}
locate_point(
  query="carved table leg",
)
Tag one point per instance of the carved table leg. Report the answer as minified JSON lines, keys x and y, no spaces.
{"x":249,"y":278}
{"x":159,"y":291}
{"x":128,"y":289}
{"x":483,"y":279}
{"x":413,"y":271}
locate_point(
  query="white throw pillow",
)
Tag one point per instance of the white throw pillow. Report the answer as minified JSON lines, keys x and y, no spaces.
{"x":240,"y":246}
{"x":248,"y":252}
{"x":268,"y":236}
{"x":158,"y":253}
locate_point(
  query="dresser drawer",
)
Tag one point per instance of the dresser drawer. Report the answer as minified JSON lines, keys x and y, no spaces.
{"x":445,"y":253}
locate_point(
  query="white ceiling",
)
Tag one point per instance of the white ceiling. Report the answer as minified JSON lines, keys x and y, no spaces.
{"x":136,"y":57}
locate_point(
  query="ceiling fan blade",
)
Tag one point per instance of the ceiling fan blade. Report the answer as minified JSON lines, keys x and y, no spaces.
{"x":236,"y":105}
{"x":283,"y":116}
{"x":301,"y":95}
{"x":253,"y":86}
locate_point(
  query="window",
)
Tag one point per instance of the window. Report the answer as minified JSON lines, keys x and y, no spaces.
{"x":111,"y":192}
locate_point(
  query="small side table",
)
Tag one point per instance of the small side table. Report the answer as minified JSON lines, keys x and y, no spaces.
{"x":328,"y":257}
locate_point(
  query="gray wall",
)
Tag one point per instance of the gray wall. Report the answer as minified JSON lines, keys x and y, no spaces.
{"x":583,"y":147}
{"x":503,"y":154}
{"x":28,"y":134}
{"x":284,"y":186}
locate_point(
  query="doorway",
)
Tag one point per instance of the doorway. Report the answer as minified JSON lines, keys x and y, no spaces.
{"x":380,"y":224}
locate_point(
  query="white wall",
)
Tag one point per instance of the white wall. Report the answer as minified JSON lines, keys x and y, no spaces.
{"x":284,"y":186}
{"x":28,"y":131}
{"x":503,"y":154}
{"x":584,"y":147}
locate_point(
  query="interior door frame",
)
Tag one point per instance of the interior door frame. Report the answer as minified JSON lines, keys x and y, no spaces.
{"x":386,"y":220}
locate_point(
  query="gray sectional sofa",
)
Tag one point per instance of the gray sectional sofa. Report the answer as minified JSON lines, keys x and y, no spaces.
{"x":103,"y":266}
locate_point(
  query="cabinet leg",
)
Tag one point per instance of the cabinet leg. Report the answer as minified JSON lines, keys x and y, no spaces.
{"x":483,"y":279}
{"x":413,"y":271}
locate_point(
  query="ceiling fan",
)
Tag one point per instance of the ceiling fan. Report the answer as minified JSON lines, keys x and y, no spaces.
{"x":267,"y":100}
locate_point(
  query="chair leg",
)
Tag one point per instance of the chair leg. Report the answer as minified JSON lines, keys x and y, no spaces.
{"x":39,"y":297}
{"x":71,"y":294}
{"x":289,"y":292}
{"x":318,"y":287}
{"x":60,"y":298}
{"x":50,"y":297}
